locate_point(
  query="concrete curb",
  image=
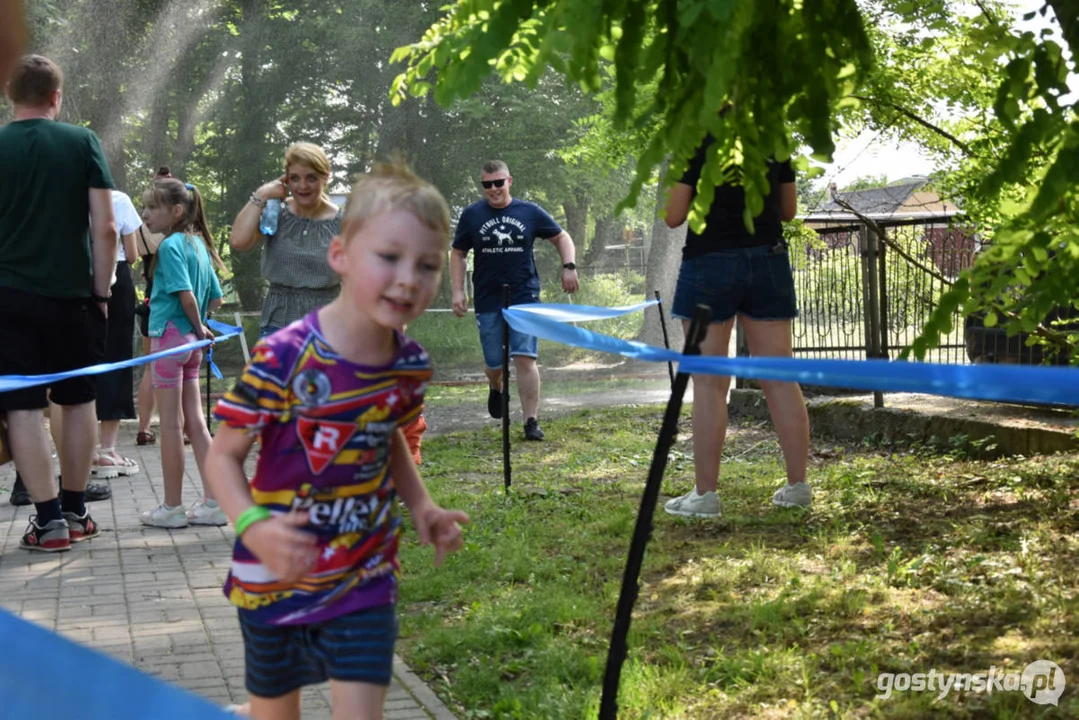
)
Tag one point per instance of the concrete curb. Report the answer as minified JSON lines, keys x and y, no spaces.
{"x":423,"y":695}
{"x":1015,"y":430}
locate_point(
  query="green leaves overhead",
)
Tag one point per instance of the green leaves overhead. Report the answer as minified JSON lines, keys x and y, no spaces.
{"x":676,"y":65}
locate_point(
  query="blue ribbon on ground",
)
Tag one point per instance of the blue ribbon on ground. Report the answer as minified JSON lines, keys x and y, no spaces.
{"x":39,"y":668}
{"x":1007,"y":383}
{"x":18,"y":382}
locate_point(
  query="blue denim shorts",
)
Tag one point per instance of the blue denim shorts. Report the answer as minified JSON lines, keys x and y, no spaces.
{"x":357,"y":647}
{"x":490,"y":325}
{"x":756,"y":282}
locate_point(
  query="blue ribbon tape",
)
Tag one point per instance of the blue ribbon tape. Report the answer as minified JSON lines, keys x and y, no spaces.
{"x":18,"y":382}
{"x":41,"y":671}
{"x":564,"y":312}
{"x":1008,"y":383}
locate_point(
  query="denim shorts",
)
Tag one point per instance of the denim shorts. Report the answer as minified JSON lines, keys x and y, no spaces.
{"x":357,"y":647}
{"x":490,"y":325}
{"x":756,"y":282}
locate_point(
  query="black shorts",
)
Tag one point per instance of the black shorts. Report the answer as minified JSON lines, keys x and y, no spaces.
{"x":41,"y":335}
{"x":357,"y":647}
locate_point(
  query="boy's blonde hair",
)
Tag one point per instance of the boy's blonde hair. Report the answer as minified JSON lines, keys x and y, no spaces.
{"x":393,"y":186}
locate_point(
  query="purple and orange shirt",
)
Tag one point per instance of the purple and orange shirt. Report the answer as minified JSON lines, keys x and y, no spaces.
{"x":324,"y":426}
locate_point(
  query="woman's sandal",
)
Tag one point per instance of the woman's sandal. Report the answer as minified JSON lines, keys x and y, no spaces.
{"x":108,"y":464}
{"x":145,"y":437}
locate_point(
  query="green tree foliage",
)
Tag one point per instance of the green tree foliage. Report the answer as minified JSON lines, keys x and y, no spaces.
{"x":1008,"y":148}
{"x":217,"y":89}
{"x":676,"y":65}
{"x":787,"y":72}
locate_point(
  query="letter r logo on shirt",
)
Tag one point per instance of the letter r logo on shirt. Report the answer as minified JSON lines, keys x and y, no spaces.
{"x":326,"y":437}
{"x":322,"y":440}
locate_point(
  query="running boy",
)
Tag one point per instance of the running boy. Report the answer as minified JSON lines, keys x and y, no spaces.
{"x":314,"y":570}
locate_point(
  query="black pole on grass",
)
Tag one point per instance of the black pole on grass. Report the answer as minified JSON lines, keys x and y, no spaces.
{"x":616,"y":655}
{"x":506,"y":471}
{"x":666,"y":339}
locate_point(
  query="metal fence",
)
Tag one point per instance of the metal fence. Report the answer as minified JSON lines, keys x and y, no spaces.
{"x":864,"y":296}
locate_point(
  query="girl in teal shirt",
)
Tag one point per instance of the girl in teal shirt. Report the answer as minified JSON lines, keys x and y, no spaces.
{"x":185,"y":291}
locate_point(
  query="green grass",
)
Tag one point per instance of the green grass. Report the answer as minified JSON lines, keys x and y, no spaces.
{"x":908,"y":562}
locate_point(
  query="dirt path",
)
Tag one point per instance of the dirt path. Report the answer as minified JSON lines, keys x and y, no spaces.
{"x":472,"y":415}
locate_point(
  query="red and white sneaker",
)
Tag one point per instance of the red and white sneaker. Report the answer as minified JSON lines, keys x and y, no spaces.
{"x":81,"y":528}
{"x":53,"y":537}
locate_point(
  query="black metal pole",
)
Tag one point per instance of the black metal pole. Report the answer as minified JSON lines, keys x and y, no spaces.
{"x":616,"y":655}
{"x":666,"y":339}
{"x":506,"y":470}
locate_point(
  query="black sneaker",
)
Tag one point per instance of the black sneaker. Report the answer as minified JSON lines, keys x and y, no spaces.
{"x":494,"y":403}
{"x":19,"y":494}
{"x":532,"y":430}
{"x":97,"y":491}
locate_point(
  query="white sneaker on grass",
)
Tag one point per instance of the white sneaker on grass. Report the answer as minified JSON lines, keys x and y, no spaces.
{"x":164,"y":516}
{"x":207,"y":512}
{"x":797,"y":495}
{"x":693,"y":505}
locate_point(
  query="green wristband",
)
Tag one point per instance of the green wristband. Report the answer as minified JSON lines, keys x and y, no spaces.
{"x":250,"y":516}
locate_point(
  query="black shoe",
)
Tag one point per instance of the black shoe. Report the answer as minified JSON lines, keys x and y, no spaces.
{"x":494,"y":403}
{"x":97,"y":491}
{"x":19,"y":494}
{"x":532,"y":430}
{"x":94,"y":490}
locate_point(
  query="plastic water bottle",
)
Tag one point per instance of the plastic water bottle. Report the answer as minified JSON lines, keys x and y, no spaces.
{"x":268,"y":219}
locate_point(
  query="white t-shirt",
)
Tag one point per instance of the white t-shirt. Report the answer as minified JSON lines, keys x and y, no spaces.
{"x":127,"y":219}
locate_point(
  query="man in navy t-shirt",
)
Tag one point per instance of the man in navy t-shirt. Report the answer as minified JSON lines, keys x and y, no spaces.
{"x":502,"y":231}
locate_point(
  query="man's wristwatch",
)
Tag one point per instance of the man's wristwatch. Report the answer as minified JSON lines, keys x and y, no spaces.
{"x":569,"y":266}
{"x":98,"y":299}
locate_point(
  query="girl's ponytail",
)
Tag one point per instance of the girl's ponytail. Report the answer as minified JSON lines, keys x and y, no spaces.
{"x":197,"y":215}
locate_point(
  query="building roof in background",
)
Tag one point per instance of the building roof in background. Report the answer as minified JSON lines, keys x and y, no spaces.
{"x":904,"y":200}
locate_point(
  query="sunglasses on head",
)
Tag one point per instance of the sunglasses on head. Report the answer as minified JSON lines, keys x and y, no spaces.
{"x":488,"y":184}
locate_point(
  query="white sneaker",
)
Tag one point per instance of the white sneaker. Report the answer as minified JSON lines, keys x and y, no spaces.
{"x":207,"y":512}
{"x":693,"y":505}
{"x":797,"y":495}
{"x":164,"y":516}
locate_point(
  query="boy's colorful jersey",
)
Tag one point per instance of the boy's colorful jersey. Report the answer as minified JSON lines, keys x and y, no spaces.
{"x":324,"y":425}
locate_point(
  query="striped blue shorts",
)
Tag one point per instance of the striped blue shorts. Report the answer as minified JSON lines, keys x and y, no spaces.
{"x":357,"y":647}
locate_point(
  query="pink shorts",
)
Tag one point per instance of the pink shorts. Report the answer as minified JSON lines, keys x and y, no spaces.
{"x":169,"y":371}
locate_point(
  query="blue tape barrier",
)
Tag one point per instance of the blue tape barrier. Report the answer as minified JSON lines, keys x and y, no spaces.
{"x":1007,"y":383}
{"x":41,"y":671}
{"x":564,"y":312}
{"x":18,"y":382}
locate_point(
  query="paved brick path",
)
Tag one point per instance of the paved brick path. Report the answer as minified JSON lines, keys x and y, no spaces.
{"x":151,"y":597}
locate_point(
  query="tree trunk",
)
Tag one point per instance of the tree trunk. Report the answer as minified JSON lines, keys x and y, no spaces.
{"x":608,"y":232}
{"x":577,"y":221}
{"x":664,"y":258}
{"x":252,"y":153}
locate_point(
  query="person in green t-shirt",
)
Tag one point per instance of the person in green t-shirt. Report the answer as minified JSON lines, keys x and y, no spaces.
{"x":54,"y":196}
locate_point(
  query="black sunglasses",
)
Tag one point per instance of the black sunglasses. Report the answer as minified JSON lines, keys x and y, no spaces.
{"x":488,"y":184}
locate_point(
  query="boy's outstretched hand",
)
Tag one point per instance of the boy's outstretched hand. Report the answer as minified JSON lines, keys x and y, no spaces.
{"x":440,"y":528}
